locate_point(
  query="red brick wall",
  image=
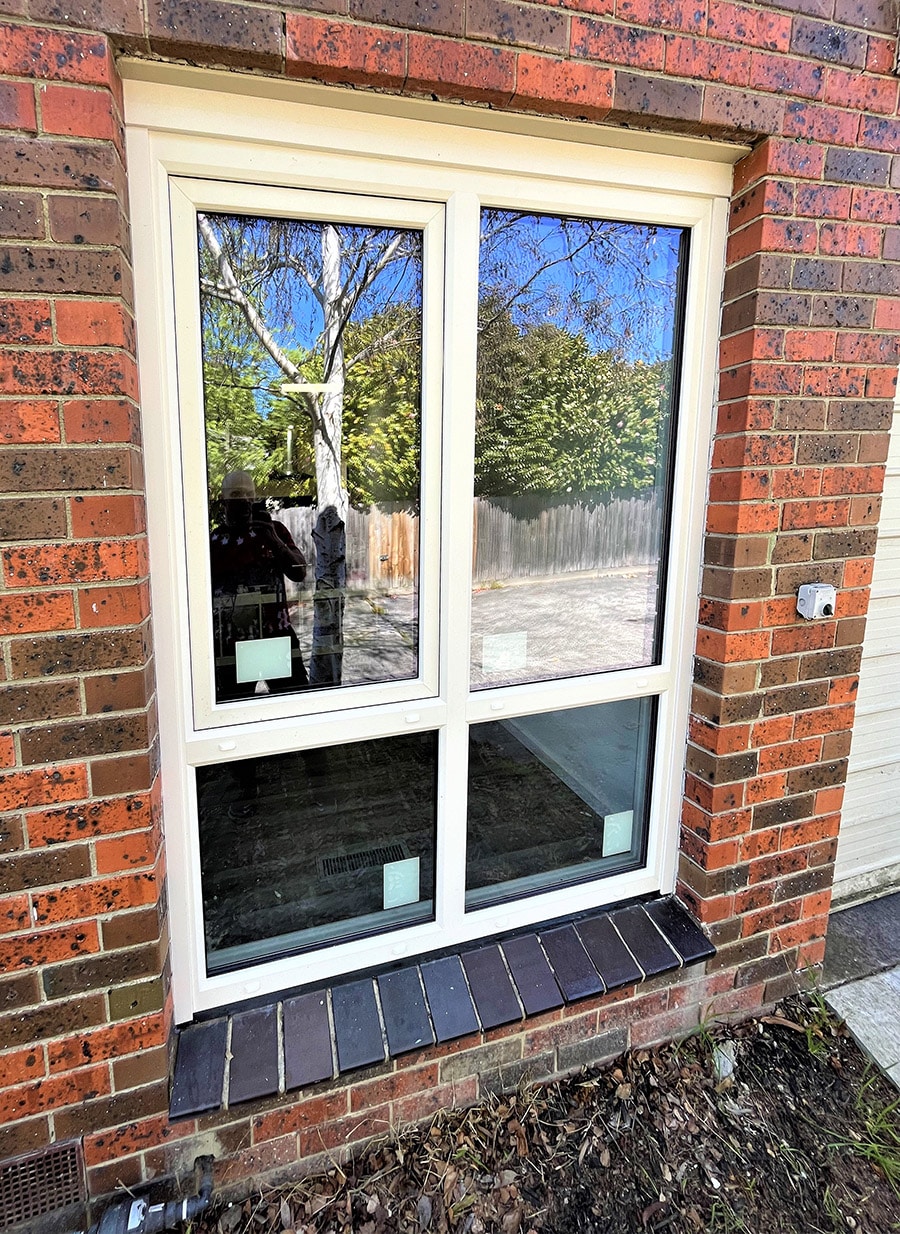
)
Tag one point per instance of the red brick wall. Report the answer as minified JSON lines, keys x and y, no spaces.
{"x":809,"y":356}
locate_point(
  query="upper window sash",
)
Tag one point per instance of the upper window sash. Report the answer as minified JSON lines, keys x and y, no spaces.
{"x":193,"y":199}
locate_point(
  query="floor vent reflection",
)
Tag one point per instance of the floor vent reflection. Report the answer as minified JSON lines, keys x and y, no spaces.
{"x":361,"y":859}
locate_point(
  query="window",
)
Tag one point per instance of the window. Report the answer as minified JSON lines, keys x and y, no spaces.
{"x":424,"y":487}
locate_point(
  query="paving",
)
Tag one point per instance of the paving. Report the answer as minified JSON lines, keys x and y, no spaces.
{"x":861,"y":977}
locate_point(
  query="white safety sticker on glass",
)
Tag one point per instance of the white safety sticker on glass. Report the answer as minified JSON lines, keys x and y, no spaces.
{"x":617,"y":830}
{"x":401,"y":882}
{"x":503,"y":653}
{"x":262,"y":659}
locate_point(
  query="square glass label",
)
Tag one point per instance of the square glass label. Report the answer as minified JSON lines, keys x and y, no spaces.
{"x":260,"y":659}
{"x":401,"y":882}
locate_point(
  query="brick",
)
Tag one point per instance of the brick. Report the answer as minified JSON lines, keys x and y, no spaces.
{"x":344,"y":52}
{"x":526,"y":25}
{"x":142,"y":925}
{"x":438,"y":16}
{"x":63,"y":271}
{"x":823,"y":201}
{"x":101,"y":972}
{"x":42,"y":701}
{"x":106,"y":1112}
{"x":86,"y":562}
{"x":24,"y":322}
{"x":17,"y":109}
{"x":66,"y":654}
{"x":69,"y":372}
{"x":670,"y":14}
{"x":820,"y":124}
{"x":857,"y":167}
{"x":832,"y":43}
{"x":740,"y":23}
{"x":21,"y":790}
{"x":229,"y":34}
{"x":455,"y":70}
{"x":842,"y":311}
{"x":566,"y":87}
{"x":94,"y":323}
{"x":86,"y":220}
{"x":35,"y":613}
{"x":863,"y":93}
{"x":82,"y":738}
{"x":785,"y":75}
{"x":93,"y":898}
{"x":50,"y":1093}
{"x":118,"y":692}
{"x":59,"y":164}
{"x":20,"y":215}
{"x":55,"y":55}
{"x":101,"y":420}
{"x":124,"y":774}
{"x":79,"y":111}
{"x":49,"y":946}
{"x":617,"y":44}
{"x":689,"y":57}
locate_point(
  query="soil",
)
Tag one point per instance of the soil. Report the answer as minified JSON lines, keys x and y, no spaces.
{"x":774,"y":1126}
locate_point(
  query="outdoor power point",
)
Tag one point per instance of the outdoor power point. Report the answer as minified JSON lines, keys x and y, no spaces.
{"x":816,"y":600}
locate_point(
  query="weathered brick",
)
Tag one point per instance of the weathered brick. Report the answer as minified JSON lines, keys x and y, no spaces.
{"x":454,"y":70}
{"x":526,"y":25}
{"x":219,"y":32}
{"x":55,"y":55}
{"x":656,"y":98}
{"x":83,"y":738}
{"x":342,"y":51}
{"x":41,"y":701}
{"x":86,"y":220}
{"x":21,"y":215}
{"x":63,"y":271}
{"x":36,"y":613}
{"x":67,"y":654}
{"x":833,"y":43}
{"x":101,"y":972}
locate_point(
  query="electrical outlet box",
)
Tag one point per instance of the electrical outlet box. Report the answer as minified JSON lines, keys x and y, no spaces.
{"x":816,"y":600}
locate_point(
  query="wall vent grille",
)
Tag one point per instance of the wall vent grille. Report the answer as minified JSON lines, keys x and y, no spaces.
{"x":39,"y":1184}
{"x":362,"y":859}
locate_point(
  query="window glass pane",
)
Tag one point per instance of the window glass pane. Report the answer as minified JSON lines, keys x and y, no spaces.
{"x":557,"y":798}
{"x":302,"y":849}
{"x":312,"y":360}
{"x":578,"y":330}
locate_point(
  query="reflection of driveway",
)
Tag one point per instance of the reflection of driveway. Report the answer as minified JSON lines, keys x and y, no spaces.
{"x":572,"y":625}
{"x":567,"y":626}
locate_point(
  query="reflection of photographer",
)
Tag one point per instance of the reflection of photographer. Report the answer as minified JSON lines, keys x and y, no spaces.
{"x":251,"y":554}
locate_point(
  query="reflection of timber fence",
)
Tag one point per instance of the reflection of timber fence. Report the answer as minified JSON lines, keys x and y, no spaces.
{"x":515,"y":537}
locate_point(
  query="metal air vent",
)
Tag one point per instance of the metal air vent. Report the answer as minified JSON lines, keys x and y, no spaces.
{"x":43,"y":1191}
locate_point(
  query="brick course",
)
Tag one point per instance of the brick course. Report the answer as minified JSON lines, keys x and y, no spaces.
{"x":809,"y":353}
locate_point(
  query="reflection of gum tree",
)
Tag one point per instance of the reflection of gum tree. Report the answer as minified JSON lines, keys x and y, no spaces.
{"x":263,"y":266}
{"x":298,"y":287}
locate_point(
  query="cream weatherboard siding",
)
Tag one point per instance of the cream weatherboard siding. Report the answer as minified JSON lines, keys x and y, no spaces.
{"x":868,"y":857}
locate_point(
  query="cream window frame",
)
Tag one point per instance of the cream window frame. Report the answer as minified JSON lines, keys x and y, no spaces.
{"x":192,"y":136}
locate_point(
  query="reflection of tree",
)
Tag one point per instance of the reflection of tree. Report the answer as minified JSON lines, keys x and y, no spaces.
{"x":555,"y":416}
{"x":290,"y":291}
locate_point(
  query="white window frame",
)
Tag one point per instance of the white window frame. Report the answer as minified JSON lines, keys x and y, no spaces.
{"x":202,"y":140}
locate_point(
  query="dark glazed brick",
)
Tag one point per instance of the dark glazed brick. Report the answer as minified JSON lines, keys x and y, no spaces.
{"x":787,"y":810}
{"x":827,"y":42}
{"x":452,"y":1012}
{"x":60,"y":164}
{"x":81,"y":740}
{"x":491,"y":987}
{"x":64,"y":654}
{"x":49,"y":701}
{"x":99,"y":972}
{"x":532,"y":974}
{"x":405,"y":1014}
{"x":439,"y":16}
{"x":29,"y":470}
{"x":254,"y":1055}
{"x":657,"y":97}
{"x":681,"y":930}
{"x":610,"y":956}
{"x":857,"y":167}
{"x":221,"y":33}
{"x":20,"y":216}
{"x":307,"y":1040}
{"x":357,"y":1026}
{"x":66,"y":271}
{"x":86,"y":220}
{"x":122,"y":17}
{"x":63,"y":1019}
{"x":575,"y":973}
{"x":32,"y":518}
{"x":644,"y":941}
{"x":45,"y":867}
{"x":199,"y":1069}
{"x":525,"y":25}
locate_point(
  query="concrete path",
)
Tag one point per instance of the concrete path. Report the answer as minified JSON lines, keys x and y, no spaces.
{"x":862,"y":977}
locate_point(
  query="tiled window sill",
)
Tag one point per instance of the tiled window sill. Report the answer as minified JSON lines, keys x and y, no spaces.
{"x":329,"y":1032}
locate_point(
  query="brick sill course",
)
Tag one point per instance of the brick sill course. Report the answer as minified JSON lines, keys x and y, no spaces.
{"x":291,"y":1043}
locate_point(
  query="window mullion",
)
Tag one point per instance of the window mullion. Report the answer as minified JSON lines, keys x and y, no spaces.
{"x":463,"y":220}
